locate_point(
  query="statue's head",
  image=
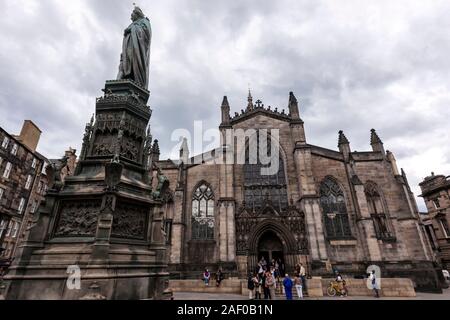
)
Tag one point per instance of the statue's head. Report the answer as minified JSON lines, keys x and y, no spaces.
{"x":137,"y":14}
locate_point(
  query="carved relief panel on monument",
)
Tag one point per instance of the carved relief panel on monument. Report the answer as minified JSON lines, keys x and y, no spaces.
{"x":77,"y":218}
{"x":130,"y":148}
{"x":130,"y":221}
{"x":118,"y":132}
{"x":104,"y":145}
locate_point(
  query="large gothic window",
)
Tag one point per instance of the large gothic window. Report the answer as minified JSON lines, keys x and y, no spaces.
{"x":260,"y":189}
{"x":334,"y":209}
{"x":377,"y":212}
{"x":203,"y":213}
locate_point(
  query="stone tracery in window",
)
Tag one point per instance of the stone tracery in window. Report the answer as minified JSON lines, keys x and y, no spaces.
{"x":377,"y":212}
{"x":334,"y":209}
{"x":260,"y":189}
{"x":203,"y":220}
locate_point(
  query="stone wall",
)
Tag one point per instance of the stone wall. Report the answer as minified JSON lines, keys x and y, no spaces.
{"x":317,"y":287}
{"x":393,"y":287}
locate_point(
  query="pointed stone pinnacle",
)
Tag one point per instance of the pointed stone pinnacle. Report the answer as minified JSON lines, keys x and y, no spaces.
{"x":374,"y":138}
{"x":342,"y":138}
{"x":225,"y":102}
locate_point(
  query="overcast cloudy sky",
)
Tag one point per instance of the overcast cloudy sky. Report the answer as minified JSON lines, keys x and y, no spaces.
{"x":354,"y":65}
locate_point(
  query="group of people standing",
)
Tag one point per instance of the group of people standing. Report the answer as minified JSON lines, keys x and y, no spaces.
{"x":262,"y":284}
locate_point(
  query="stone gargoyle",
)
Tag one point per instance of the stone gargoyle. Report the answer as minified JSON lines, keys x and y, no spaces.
{"x":53,"y":172}
{"x":163,"y":185}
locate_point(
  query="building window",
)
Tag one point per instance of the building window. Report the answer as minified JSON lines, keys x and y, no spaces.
{"x":33,"y":165}
{"x":203,"y":220}
{"x":14,"y":149}
{"x":28,"y":183}
{"x":377,"y":212}
{"x":21,"y":205}
{"x":2,"y":191}
{"x":168,"y":230}
{"x":445,"y":228}
{"x":10,"y":225}
{"x":436,"y":203}
{"x":3,"y":225}
{"x":7,"y":170}
{"x":431,"y":236}
{"x":40,"y":186}
{"x":34,"y":206}
{"x":5,"y":142}
{"x":261,"y":190}
{"x":334,"y":210}
{"x":15,"y":229}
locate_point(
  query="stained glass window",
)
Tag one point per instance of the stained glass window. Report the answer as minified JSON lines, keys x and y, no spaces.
{"x":203,"y":220}
{"x":334,"y":209}
{"x":261,"y":189}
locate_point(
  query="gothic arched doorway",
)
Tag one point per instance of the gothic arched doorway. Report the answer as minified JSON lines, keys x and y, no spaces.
{"x":270,"y":247}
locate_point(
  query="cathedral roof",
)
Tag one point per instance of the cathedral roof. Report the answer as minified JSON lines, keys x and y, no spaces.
{"x":259,"y":108}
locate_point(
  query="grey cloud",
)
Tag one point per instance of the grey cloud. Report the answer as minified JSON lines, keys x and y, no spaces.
{"x":352,"y":68}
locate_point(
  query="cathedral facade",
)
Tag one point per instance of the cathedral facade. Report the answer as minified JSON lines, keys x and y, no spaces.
{"x":329,"y":209}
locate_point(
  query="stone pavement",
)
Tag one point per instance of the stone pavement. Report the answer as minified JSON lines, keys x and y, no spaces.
{"x":210,"y":296}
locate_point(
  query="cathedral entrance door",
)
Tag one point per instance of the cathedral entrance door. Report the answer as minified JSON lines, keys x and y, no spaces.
{"x":270,"y":247}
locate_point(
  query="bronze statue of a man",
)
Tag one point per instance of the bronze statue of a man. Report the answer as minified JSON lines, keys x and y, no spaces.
{"x":135,"y":58}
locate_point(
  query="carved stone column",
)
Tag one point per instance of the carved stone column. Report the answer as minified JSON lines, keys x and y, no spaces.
{"x":178,"y":229}
{"x":366,"y":223}
{"x":157,"y":237}
{"x":231,"y":239}
{"x":223,"y":232}
{"x":100,"y":250}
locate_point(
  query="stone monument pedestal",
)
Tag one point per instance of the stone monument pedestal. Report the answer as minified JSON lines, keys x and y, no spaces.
{"x":102,"y":228}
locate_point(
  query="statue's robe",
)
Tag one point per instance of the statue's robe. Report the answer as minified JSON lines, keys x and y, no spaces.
{"x":135,"y":59}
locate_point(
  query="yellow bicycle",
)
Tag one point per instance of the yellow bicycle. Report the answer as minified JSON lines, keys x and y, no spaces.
{"x":336,"y":288}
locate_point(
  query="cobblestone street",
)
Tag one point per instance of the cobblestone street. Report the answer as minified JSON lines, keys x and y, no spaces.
{"x":208,"y":296}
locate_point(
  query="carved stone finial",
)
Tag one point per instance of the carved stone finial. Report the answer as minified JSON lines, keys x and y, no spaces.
{"x":250,"y":100}
{"x":225,"y":102}
{"x":292,"y":98}
{"x":155,"y":148}
{"x":374,"y":138}
{"x":342,"y":138}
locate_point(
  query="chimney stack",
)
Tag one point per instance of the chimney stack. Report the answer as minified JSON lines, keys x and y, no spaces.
{"x":30,"y":135}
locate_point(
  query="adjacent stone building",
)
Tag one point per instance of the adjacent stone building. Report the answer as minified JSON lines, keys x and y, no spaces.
{"x":20,"y":167}
{"x":436,"y":193}
{"x":23,"y":184}
{"x":330,"y":209}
